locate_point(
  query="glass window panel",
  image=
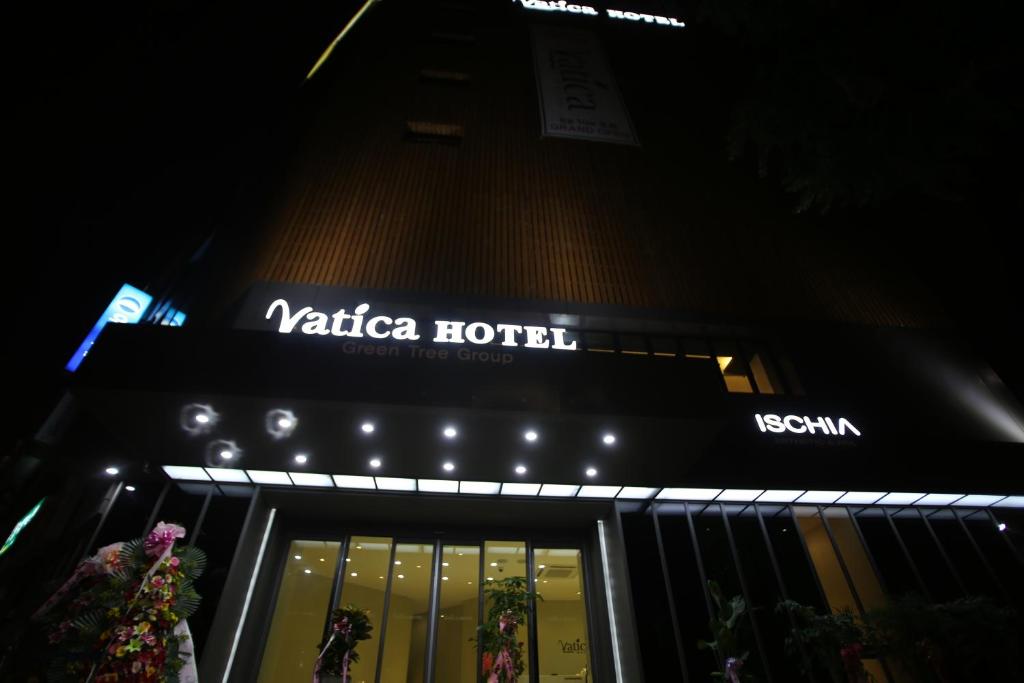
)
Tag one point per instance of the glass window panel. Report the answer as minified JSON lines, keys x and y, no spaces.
{"x":934,"y":570}
{"x":563,"y":643}
{"x":869,"y":588}
{"x":830,"y":573}
{"x":892,"y":563}
{"x":300,"y":613}
{"x":508,"y":558}
{"x":459,"y":613}
{"x":599,"y":341}
{"x":762,"y":369}
{"x":405,"y":641}
{"x":365,"y":581}
{"x":733,"y":368}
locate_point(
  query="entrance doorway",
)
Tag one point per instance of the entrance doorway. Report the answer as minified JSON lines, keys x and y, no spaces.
{"x":426,"y":598}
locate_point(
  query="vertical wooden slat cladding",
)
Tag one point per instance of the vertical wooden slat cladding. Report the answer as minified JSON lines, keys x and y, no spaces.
{"x":507,"y":214}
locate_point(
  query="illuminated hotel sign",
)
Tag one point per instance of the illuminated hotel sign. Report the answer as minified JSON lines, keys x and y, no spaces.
{"x":127,"y":307}
{"x":796,"y":424}
{"x":587,"y":10}
{"x":360,"y":323}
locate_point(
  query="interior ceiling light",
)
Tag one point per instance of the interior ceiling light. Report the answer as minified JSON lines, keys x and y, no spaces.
{"x":480,"y":487}
{"x":520,"y":469}
{"x":598,"y":491}
{"x":129,"y":488}
{"x":367,"y":427}
{"x":637,"y":492}
{"x":591,"y":472}
{"x":268,"y":477}
{"x":820,"y":497}
{"x":220,"y":450}
{"x":530,"y":436}
{"x":723,"y":362}
{"x":375,"y":463}
{"x":608,"y":439}
{"x":112,"y":471}
{"x":280,"y":423}
{"x":514,"y":489}
{"x":198,"y":418}
{"x":186,"y":473}
{"x":450,"y":432}
{"x":688,"y":494}
{"x":739,"y":495}
{"x":438,"y":485}
{"x":310,"y":479}
{"x":395,"y":484}
{"x":344,"y":481}
{"x":448,"y":466}
{"x":301,"y":458}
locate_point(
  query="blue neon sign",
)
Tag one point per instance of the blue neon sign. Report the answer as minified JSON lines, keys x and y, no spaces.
{"x":127,"y":307}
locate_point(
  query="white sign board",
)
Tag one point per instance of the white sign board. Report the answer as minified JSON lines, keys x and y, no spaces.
{"x":577,"y":92}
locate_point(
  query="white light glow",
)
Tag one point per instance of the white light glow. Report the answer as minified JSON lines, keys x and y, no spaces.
{"x":268,"y":477}
{"x":401,"y":576}
{"x":978,"y":501}
{"x":395,"y":484}
{"x":307,"y":571}
{"x":520,"y":489}
{"x":591,"y":472}
{"x":354,"y":574}
{"x":298,"y":557}
{"x":227,"y":454}
{"x":688,"y":494}
{"x":530,"y":436}
{"x":310,"y":479}
{"x":520,"y":469}
{"x":1001,"y":526}
{"x":1010,"y":502}
{"x":348,"y":481}
{"x":284,"y":423}
{"x":860,"y":497}
{"x":598,"y":491}
{"x":202,"y":418}
{"x":939,"y":499}
{"x":608,"y":439}
{"x":739,"y":495}
{"x":480,"y":487}
{"x":438,"y":485}
{"x":129,"y":488}
{"x":450,"y":432}
{"x":367,"y":427}
{"x":448,"y":467}
{"x":112,"y":471}
{"x":899,"y":498}
{"x":375,"y":463}
{"x":301,"y":459}
{"x":820,"y":497}
{"x":779,"y":496}
{"x":637,"y":492}
{"x":186,"y":473}
{"x":559,"y":490}
{"x":227,"y":475}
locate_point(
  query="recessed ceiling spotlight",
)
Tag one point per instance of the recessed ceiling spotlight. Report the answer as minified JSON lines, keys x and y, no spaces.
{"x":112,"y":471}
{"x":401,"y":576}
{"x":530,"y":435}
{"x":367,"y":427}
{"x":448,"y":466}
{"x":450,"y":432}
{"x":375,"y":463}
{"x":280,"y":423}
{"x":298,"y":557}
{"x":198,"y":418}
{"x":444,"y":578}
{"x":591,"y":472}
{"x":520,"y":469}
{"x":1001,"y":526}
{"x":301,"y":459}
{"x":227,"y":454}
{"x":307,"y":571}
{"x":494,"y":564}
{"x":221,"y":449}
{"x":608,"y":439}
{"x":541,"y":566}
{"x":398,"y":563}
{"x":354,"y":574}
{"x":129,"y":488}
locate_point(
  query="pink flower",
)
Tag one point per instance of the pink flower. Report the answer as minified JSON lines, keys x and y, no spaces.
{"x":175,"y":562}
{"x":158,"y":581}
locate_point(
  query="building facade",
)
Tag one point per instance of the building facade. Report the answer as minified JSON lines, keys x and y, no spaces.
{"x":476,"y":331}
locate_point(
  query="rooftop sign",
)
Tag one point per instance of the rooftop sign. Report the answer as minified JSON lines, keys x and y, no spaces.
{"x":360,"y":323}
{"x":797,"y":424}
{"x":587,"y":10}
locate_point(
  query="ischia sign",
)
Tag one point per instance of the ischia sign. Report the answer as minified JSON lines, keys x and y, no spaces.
{"x":801,"y":424}
{"x":361,"y":323}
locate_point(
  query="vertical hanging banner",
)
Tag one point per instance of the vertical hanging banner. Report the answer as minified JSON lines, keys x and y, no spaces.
{"x":578,"y":95}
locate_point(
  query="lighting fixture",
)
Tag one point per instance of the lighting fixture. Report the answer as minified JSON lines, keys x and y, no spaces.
{"x":541,"y":566}
{"x":129,"y":488}
{"x":226,"y":475}
{"x":494,"y":564}
{"x":637,"y":492}
{"x":739,"y":495}
{"x":939,"y":499}
{"x":310,"y":479}
{"x":202,"y":418}
{"x":395,"y":484}
{"x":820,"y":497}
{"x":1001,"y":526}
{"x":559,"y":490}
{"x":444,"y":578}
{"x":401,"y":576}
{"x":598,"y":491}
{"x":298,"y":557}
{"x":280,"y":423}
{"x":608,"y":439}
{"x":480,"y":487}
{"x":185,"y":472}
{"x":226,"y":454}
{"x":268,"y":477}
{"x":367,"y":427}
{"x":899,"y":498}
{"x":530,"y":436}
{"x":112,"y":471}
{"x":197,"y":418}
{"x":520,"y":489}
{"x":354,"y":574}
{"x":779,"y":496}
{"x":344,"y":481}
{"x":438,"y":485}
{"x":860,"y":497}
{"x":976,"y":500}
{"x":375,"y":463}
{"x":450,"y":432}
{"x":448,"y":466}
{"x":591,"y":472}
{"x":301,"y":459}
{"x":688,"y":494}
{"x":307,"y":571}
{"x":520,"y":469}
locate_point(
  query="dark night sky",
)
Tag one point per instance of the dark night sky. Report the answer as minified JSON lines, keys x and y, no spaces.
{"x":133,"y":128}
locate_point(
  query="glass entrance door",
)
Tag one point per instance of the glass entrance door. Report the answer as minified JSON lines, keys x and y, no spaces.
{"x":426,"y":601}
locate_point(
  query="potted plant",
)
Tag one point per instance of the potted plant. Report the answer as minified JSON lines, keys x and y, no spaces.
{"x":508,"y":602}
{"x":349,"y":626}
{"x":835,"y":642}
{"x":725,"y":627}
